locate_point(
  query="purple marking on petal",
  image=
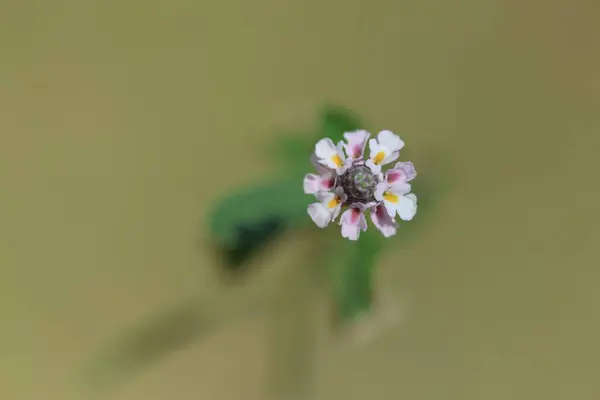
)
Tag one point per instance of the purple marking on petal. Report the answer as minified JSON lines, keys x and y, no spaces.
{"x":381,"y":219}
{"x":354,"y":216}
{"x":394,"y":175}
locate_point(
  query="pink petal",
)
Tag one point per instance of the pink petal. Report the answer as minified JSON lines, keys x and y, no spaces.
{"x":395,"y":175}
{"x":381,"y":219}
{"x":326,"y":183}
{"x":353,"y":221}
{"x":356,"y":143}
{"x":407,"y":168}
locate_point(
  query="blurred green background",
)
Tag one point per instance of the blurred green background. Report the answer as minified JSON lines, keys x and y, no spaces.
{"x":122,"y":122}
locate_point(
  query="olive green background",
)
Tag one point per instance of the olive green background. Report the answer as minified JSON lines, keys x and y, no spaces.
{"x":122,"y":121}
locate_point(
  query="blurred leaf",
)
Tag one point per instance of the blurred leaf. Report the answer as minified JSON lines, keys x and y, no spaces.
{"x":351,"y":273}
{"x":335,"y":121}
{"x":246,"y":220}
{"x":295,"y":149}
{"x":292,"y":330}
{"x":147,"y":344}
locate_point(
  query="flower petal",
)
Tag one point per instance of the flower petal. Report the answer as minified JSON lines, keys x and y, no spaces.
{"x":378,"y":157}
{"x":407,"y":207}
{"x":319,"y":215}
{"x":312,"y":183}
{"x":321,"y":169}
{"x":324,"y":148}
{"x":345,"y":162}
{"x":332,"y":202}
{"x":325,"y":197}
{"x":374,"y":167}
{"x":401,"y":188}
{"x":380,"y":190}
{"x":392,"y":196}
{"x":391,"y":158}
{"x":390,"y":140}
{"x":357,"y":141}
{"x":407,"y":169}
{"x":326,"y":182}
{"x":330,"y":155}
{"x":353,"y":221}
{"x":382,"y":220}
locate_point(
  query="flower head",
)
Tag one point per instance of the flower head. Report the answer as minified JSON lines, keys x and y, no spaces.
{"x":350,"y":184}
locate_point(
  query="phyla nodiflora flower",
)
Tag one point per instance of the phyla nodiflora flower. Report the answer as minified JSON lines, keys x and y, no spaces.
{"x":349,"y":184}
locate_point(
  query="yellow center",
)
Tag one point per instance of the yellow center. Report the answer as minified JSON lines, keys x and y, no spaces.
{"x":334,"y":202}
{"x":378,"y":158}
{"x":391,"y":197}
{"x":337,"y":160}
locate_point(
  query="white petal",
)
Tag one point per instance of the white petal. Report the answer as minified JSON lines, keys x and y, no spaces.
{"x":319,"y":214}
{"x":325,"y":148}
{"x":346,"y":163}
{"x":407,"y":207}
{"x":401,"y":188}
{"x":390,"y":158}
{"x":390,"y":208}
{"x":373,"y":145}
{"x":321,"y":169}
{"x":356,"y":143}
{"x":325,"y":197}
{"x":350,"y":231}
{"x":330,"y":155}
{"x":390,"y":140}
{"x":335,"y":212}
{"x":379,"y":190}
{"x":376,"y":169}
{"x":312,"y":183}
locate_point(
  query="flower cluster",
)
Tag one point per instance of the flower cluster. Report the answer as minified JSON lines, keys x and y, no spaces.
{"x":349,"y":182}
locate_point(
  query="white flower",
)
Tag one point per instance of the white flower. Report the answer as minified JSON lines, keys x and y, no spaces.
{"x":332,"y":201}
{"x":384,"y":150}
{"x":352,"y":222}
{"x":397,"y":199}
{"x":331,"y":156}
{"x":357,"y":141}
{"x":357,"y":186}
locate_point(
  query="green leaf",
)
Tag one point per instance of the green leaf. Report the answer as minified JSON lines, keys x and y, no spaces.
{"x":243,"y":222}
{"x":337,"y":120}
{"x":351,"y":273}
{"x":147,"y":344}
{"x":294,"y":150}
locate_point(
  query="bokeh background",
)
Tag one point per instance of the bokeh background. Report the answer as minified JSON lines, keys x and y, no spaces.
{"x":122,"y":122}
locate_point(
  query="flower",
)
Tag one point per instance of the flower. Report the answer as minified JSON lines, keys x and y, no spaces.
{"x":349,"y":184}
{"x":384,"y":150}
{"x":331,"y":155}
{"x":397,"y":199}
